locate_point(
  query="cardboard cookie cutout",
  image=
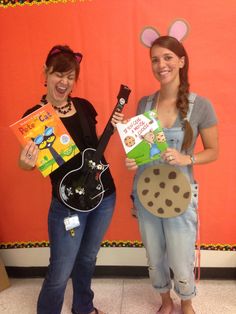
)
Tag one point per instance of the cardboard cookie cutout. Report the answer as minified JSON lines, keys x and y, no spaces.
{"x":178,"y":29}
{"x":164,"y":191}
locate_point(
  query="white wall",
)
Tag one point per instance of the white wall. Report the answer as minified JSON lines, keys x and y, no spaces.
{"x":37,"y":257}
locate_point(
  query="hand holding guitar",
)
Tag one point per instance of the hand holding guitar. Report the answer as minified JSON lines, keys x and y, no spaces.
{"x":117,"y":118}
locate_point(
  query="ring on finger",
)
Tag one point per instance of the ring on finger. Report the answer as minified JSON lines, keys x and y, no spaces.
{"x":29,"y":156}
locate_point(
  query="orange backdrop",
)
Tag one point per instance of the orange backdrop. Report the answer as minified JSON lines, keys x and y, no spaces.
{"x":107,"y":33}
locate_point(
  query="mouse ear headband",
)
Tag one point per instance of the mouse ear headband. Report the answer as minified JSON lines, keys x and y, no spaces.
{"x":178,"y":29}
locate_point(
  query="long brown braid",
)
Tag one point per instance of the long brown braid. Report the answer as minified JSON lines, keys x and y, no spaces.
{"x":182,"y":103}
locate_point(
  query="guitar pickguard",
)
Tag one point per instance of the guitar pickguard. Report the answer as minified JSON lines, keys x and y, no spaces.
{"x":82,"y":189}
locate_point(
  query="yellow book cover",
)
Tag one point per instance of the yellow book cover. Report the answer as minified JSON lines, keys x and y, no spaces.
{"x":44,"y":127}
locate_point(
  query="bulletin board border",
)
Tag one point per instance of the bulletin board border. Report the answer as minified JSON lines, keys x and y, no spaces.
{"x":115,"y":244}
{"x":16,"y":3}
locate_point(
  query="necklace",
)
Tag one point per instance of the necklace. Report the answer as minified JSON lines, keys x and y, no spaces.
{"x":63,"y":109}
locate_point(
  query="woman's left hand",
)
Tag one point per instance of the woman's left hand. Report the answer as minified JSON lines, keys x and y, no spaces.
{"x":173,"y":157}
{"x":117,"y":118}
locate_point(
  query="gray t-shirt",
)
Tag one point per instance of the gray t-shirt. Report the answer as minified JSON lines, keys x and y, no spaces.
{"x":203,"y":115}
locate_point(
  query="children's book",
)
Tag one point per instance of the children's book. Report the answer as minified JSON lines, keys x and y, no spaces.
{"x":44,"y":127}
{"x":142,"y":137}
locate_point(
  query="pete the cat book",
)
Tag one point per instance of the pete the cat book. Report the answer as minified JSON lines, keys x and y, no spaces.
{"x":142,"y":137}
{"x":44,"y":127}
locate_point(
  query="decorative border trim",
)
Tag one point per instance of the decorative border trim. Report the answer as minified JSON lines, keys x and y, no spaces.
{"x":16,"y":3}
{"x":116,"y":244}
{"x":23,"y":245}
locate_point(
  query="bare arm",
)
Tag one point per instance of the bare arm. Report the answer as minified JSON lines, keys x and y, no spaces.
{"x":209,"y":137}
{"x":210,"y":143}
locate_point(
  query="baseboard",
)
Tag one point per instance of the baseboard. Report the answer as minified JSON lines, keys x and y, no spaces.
{"x":228,"y":273}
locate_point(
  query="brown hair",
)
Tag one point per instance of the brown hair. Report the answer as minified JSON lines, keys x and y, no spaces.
{"x":63,"y":59}
{"x":182,"y":103}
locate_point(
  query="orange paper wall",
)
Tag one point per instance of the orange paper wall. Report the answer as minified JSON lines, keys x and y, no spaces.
{"x":107,"y":33}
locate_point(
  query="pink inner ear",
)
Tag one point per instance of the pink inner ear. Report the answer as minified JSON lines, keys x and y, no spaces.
{"x":148,"y":36}
{"x":179,"y":30}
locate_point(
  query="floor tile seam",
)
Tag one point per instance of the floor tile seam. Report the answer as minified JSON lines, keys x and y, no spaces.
{"x":122,"y":296}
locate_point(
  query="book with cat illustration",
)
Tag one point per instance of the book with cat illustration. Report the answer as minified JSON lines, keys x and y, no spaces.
{"x":142,"y":137}
{"x":44,"y":127}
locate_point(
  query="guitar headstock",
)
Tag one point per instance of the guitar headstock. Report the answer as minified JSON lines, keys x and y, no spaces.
{"x":122,"y":97}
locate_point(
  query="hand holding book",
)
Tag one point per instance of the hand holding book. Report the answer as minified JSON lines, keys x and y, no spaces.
{"x":131,"y":164}
{"x":46,"y":142}
{"x":142,"y":138}
{"x":29,"y":156}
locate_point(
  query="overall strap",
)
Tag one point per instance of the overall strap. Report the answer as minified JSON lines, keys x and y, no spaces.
{"x":149,"y":102}
{"x":191,"y":99}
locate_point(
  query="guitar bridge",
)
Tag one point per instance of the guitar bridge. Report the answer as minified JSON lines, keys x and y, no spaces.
{"x":80,"y":191}
{"x":92,"y":164}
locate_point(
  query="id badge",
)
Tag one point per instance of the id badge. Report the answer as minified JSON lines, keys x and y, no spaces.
{"x":71,"y":222}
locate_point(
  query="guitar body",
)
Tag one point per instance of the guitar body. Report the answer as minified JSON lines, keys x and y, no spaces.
{"x":81,"y":189}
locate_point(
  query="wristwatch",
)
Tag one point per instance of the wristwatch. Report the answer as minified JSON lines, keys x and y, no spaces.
{"x":193,"y":159}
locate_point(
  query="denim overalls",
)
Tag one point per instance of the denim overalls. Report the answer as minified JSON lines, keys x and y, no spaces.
{"x":170,"y":242}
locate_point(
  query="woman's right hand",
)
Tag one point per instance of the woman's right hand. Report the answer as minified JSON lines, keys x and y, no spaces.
{"x":131,"y":164}
{"x":28,"y":156}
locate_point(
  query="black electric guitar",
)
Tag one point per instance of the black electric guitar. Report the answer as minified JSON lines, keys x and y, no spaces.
{"x":81,"y":189}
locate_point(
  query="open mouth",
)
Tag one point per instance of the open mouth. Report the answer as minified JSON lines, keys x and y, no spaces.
{"x":61,"y":90}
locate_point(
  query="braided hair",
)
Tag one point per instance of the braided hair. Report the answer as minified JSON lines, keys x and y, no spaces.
{"x":182,"y":103}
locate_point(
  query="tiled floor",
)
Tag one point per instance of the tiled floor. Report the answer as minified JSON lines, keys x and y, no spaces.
{"x":122,"y":296}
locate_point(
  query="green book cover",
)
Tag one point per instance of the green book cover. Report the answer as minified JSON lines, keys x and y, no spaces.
{"x":142,"y":137}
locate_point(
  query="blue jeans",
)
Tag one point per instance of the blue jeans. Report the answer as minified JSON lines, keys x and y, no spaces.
{"x":73,"y":256}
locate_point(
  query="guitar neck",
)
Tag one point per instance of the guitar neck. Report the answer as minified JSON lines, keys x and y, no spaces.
{"x":109,"y":129}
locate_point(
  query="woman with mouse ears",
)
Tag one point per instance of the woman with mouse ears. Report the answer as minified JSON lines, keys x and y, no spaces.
{"x":73,"y":252}
{"x":164,"y":191}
